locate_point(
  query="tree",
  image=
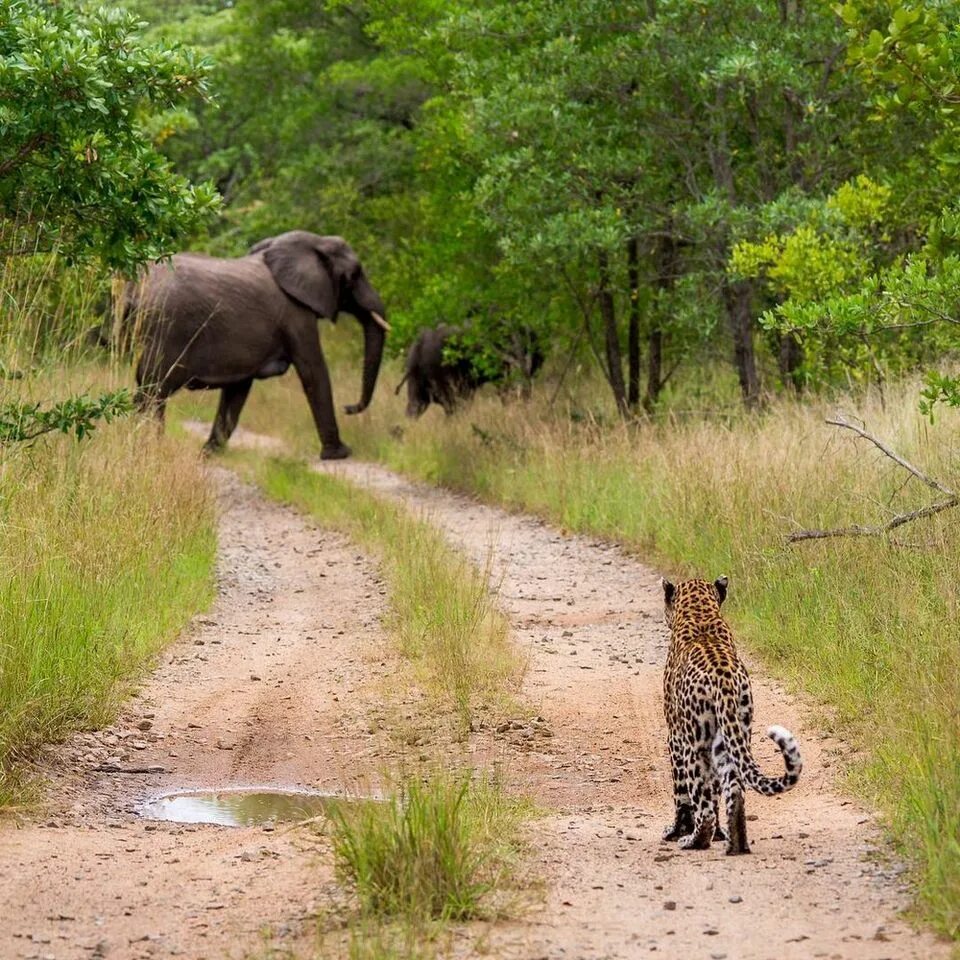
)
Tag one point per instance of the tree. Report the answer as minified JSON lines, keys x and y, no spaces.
{"x":870,"y":276}
{"x":80,"y":178}
{"x":77,"y":172}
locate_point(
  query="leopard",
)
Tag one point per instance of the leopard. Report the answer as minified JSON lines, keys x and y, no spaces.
{"x":708,"y":707}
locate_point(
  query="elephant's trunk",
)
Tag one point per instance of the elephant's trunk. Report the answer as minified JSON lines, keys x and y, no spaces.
{"x":373,"y":338}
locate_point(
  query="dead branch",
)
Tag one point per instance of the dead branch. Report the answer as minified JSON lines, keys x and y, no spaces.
{"x":896,"y":458}
{"x":951,"y":497}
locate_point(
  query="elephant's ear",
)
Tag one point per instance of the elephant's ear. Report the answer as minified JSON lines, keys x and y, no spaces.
{"x":302,"y":271}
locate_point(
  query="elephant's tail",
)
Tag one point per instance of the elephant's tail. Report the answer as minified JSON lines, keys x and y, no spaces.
{"x":406,"y":377}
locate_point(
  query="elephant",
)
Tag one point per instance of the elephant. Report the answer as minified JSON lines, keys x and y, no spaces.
{"x":209,"y":323}
{"x":431,"y":378}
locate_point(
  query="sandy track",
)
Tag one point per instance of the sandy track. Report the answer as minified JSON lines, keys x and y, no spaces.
{"x":278,"y":685}
{"x":590,"y":619}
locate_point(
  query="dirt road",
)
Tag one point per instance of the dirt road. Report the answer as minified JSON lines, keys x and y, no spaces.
{"x":278,"y":685}
{"x":284,"y":683}
{"x":818,"y":883}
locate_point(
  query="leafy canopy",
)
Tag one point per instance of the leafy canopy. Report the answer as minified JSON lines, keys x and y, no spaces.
{"x":77,"y":171}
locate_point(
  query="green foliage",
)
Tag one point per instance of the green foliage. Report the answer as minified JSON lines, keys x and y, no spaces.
{"x":524,"y":164}
{"x":78,"y":172}
{"x":23,"y":421}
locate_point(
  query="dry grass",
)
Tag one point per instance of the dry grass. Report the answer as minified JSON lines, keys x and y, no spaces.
{"x":870,"y":627}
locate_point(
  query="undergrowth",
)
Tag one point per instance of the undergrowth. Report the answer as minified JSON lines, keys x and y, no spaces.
{"x":107,"y":547}
{"x":434,"y":851}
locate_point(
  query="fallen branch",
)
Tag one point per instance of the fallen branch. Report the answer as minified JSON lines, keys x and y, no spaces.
{"x":952,"y":498}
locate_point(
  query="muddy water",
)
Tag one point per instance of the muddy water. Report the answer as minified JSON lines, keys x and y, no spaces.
{"x":240,"y":808}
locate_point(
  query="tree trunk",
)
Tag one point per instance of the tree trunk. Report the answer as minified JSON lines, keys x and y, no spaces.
{"x":789,"y":359}
{"x":736,"y":298}
{"x":608,"y":312}
{"x":666,"y":256}
{"x":654,"y":369}
{"x":633,"y":328}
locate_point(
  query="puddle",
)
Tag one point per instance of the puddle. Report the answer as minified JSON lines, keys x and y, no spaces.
{"x":240,"y":808}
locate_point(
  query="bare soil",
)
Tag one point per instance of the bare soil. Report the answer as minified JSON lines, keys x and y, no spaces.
{"x":290,"y":681}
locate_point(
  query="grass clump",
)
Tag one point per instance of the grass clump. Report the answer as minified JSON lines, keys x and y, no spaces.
{"x":433,"y":851}
{"x":106,"y":549}
{"x":444,"y":616}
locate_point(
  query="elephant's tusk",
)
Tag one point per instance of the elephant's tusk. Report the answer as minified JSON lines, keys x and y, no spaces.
{"x":383,"y":323}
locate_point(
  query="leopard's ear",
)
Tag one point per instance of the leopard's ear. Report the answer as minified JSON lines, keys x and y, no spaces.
{"x":721,"y":584}
{"x":668,"y":590}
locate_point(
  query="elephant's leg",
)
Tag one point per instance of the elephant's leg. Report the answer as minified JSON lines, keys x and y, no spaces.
{"x":312,"y":370}
{"x":151,"y":402}
{"x":418,"y":397}
{"x":232,"y":398}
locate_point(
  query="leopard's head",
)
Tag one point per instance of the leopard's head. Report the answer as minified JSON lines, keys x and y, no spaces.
{"x":693,"y":599}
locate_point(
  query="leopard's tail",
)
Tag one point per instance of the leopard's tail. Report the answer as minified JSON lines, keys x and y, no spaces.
{"x":731,"y":747}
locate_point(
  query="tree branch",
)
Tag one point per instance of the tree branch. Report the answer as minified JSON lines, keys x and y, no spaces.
{"x":861,"y":531}
{"x":895,"y":457}
{"x":951,"y":497}
{"x":34,"y":143}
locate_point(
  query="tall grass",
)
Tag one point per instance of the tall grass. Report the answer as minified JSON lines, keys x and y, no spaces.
{"x":869,"y":626}
{"x":106,"y":548}
{"x":444,"y":616}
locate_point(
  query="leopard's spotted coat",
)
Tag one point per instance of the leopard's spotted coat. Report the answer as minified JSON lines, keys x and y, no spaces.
{"x":709,"y":710}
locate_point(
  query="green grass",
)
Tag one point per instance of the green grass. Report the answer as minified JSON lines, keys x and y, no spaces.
{"x":443,"y":614}
{"x":435,"y":851}
{"x":106,"y":549}
{"x":871,"y":628}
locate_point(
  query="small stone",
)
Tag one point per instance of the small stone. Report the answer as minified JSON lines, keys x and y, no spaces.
{"x":669,"y":904}
{"x":736,"y":898}
{"x":254,"y":676}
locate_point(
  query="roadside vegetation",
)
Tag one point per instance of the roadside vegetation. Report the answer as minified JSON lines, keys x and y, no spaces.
{"x":106,"y":549}
{"x":443,"y":610}
{"x":107,"y":530}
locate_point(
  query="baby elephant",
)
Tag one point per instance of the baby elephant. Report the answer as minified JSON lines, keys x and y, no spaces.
{"x":431,"y":378}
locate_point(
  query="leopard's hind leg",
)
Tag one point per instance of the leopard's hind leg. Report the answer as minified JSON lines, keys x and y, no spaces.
{"x":702,"y":795}
{"x":731,"y":790}
{"x":683,"y":809}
